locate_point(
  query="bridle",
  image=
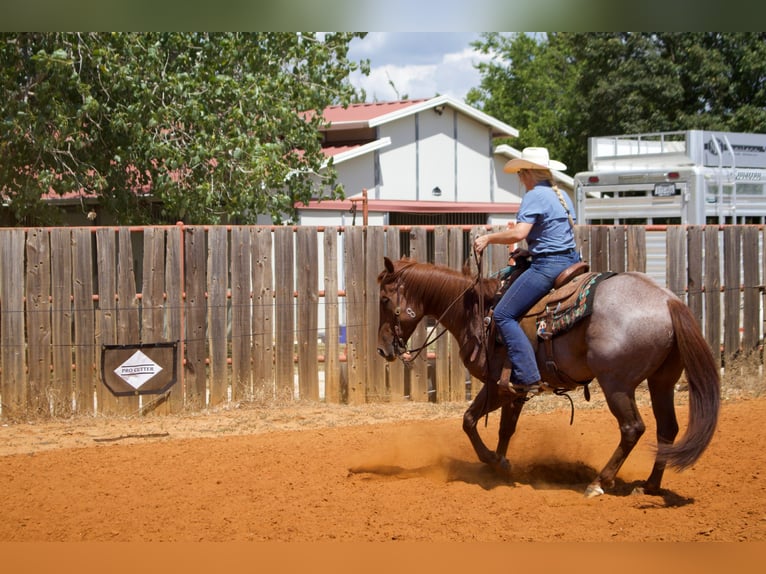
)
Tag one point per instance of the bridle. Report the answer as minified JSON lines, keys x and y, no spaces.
{"x":406,"y":355}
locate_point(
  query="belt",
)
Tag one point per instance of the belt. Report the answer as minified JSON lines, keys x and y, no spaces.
{"x":562,"y":252}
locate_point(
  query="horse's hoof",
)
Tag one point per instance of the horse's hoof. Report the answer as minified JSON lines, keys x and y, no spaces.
{"x":503,"y":468}
{"x":594,"y":490}
{"x":651,"y":490}
{"x":638,"y":490}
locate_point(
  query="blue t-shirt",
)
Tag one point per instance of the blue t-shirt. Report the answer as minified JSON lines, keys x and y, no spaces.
{"x":551,"y":230}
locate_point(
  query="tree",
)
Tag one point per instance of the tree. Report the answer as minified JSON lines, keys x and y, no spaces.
{"x":529,"y":84}
{"x":162,"y":127}
{"x":561,"y":88}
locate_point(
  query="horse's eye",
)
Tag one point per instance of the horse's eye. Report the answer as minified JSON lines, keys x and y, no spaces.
{"x":384,"y":299}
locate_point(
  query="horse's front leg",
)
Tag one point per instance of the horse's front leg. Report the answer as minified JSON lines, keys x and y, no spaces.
{"x":486,"y":402}
{"x":509,"y":416}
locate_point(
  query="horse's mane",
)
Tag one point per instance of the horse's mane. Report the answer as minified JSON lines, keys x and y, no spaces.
{"x":426,"y":280}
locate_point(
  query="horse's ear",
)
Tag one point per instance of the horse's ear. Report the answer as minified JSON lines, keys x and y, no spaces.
{"x":389,"y":264}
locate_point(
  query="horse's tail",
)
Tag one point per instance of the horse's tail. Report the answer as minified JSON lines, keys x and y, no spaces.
{"x":704,"y":389}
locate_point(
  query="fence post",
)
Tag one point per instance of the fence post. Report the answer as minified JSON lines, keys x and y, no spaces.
{"x":694,"y":241}
{"x":676,"y":260}
{"x":332,"y":388}
{"x":284,"y":304}
{"x":217,"y":283}
{"x":12,"y":351}
{"x":751,"y":295}
{"x":395,"y":371}
{"x":713,"y":291}
{"x":353,"y":241}
{"x":307,"y":254}
{"x":732,"y":252}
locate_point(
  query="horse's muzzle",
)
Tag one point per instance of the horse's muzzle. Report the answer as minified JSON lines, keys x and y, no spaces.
{"x":388,"y":356}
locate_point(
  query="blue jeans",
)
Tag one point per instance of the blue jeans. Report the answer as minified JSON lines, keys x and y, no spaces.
{"x":524,"y":292}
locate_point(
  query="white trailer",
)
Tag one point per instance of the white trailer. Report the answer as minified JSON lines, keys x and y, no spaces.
{"x":691,"y":177}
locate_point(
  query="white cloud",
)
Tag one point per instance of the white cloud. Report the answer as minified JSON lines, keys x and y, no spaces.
{"x":418,"y":64}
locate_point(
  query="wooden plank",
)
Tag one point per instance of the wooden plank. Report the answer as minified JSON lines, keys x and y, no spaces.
{"x":153,"y":286}
{"x":694,"y":241}
{"x":732,"y":251}
{"x":676,"y":260}
{"x":284,"y":303}
{"x":107,"y":264}
{"x":153,"y":306}
{"x":582,"y":240}
{"x":395,"y":371}
{"x":375,"y":366}
{"x":443,"y":344}
{"x":751,"y":296}
{"x":128,"y":328}
{"x":217,"y":305}
{"x":419,"y":384}
{"x":616,"y":234}
{"x":762,"y":297}
{"x":498,"y":254}
{"x":599,"y":248}
{"x":13,"y":388}
{"x":61,"y":321}
{"x":241,"y":383}
{"x":195,"y":312}
{"x":38,"y":319}
{"x":353,"y":245}
{"x":332,"y":364}
{"x":459,"y":378}
{"x":264,"y":374}
{"x":307,"y":282}
{"x":86,"y":379}
{"x":128,"y":331}
{"x":712,"y":280}
{"x":636,"y":248}
{"x":174,"y":313}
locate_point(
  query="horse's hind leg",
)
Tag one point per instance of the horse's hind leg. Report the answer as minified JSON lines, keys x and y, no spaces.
{"x":661,"y":390}
{"x":623,"y":406}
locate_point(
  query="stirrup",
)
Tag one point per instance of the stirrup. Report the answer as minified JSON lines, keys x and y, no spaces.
{"x":517,"y":390}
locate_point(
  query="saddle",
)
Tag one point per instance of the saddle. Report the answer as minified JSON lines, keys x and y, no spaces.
{"x":570,"y":301}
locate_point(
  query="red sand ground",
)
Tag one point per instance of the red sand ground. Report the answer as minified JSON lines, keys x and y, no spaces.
{"x":315,"y":472}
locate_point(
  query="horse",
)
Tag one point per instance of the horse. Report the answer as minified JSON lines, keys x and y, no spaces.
{"x":637,"y":331}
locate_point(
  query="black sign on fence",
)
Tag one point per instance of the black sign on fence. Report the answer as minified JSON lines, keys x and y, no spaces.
{"x":141,"y":369}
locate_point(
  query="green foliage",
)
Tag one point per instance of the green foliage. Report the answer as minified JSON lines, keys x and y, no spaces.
{"x":166,"y":127}
{"x":559,"y":89}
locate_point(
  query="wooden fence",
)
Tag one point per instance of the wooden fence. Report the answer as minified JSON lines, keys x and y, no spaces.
{"x":261,"y":313}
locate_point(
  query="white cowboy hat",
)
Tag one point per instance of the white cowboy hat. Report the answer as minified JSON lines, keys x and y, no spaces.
{"x":533,"y":158}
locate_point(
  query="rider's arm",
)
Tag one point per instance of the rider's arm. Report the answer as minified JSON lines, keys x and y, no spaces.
{"x":516,"y":232}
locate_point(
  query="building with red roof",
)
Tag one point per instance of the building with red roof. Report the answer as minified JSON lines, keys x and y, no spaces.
{"x":428,"y":161}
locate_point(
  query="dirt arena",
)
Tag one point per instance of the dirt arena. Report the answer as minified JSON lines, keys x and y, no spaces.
{"x":316,"y":472}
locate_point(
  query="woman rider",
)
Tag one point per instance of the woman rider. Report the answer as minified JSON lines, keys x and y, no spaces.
{"x":546,"y":222}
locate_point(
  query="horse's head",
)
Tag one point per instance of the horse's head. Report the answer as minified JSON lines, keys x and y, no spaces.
{"x":398,"y":316}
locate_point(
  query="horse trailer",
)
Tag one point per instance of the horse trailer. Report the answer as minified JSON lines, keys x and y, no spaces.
{"x":693,"y":177}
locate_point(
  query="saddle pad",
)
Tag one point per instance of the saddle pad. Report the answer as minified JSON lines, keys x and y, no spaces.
{"x":562,"y":318}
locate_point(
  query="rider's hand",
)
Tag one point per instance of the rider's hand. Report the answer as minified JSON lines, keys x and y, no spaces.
{"x":481,"y":242}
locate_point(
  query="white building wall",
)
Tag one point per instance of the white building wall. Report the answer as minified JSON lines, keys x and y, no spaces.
{"x":507,"y":189}
{"x":474,"y":161}
{"x":357,"y":174}
{"x":436,"y":155}
{"x":398,"y":161}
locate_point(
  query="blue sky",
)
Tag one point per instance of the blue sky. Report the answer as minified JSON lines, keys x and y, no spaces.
{"x":418,"y":64}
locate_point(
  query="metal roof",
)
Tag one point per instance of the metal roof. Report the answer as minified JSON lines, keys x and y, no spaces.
{"x":379,"y":113}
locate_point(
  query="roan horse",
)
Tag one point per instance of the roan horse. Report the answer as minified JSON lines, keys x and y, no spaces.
{"x":636,"y":331}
